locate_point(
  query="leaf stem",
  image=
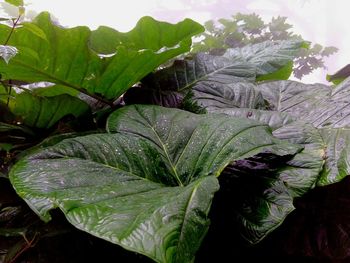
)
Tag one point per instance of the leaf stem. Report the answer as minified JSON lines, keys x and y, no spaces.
{"x":6,"y":42}
{"x":12,"y":29}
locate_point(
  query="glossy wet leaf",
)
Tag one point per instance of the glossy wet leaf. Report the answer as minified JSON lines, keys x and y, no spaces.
{"x":273,"y":119}
{"x":302,"y":172}
{"x":268,"y":57}
{"x":337,"y":155}
{"x":264,"y":190}
{"x":236,"y":65}
{"x":46,"y":55}
{"x":213,"y":97}
{"x":168,"y":86}
{"x":326,"y":109}
{"x":149,"y":183}
{"x":293,"y":97}
{"x":334,"y":110}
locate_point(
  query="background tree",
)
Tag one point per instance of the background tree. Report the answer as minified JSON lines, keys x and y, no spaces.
{"x":243,"y":29}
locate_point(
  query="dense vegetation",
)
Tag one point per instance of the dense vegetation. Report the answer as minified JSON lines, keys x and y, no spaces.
{"x":97,"y":132}
{"x":244,"y":29}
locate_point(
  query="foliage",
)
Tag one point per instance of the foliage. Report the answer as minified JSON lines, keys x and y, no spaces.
{"x":168,"y":87}
{"x":244,"y":29}
{"x":147,"y":177}
{"x":152,"y":192}
{"x":340,"y":75}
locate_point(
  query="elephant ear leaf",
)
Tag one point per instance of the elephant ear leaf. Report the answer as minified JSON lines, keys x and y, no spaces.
{"x":148,"y":184}
{"x":46,"y":55}
{"x":167,"y":87}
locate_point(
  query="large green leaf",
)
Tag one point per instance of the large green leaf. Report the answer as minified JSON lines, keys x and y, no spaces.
{"x":212,"y":96}
{"x":302,"y":173}
{"x":325,"y":108}
{"x":293,"y":97}
{"x":337,"y":155}
{"x":48,"y":56}
{"x":285,"y":101}
{"x":273,"y":119}
{"x":269,"y":56}
{"x":316,"y":103}
{"x":333,"y":111}
{"x":242,"y":64}
{"x":44,"y":112}
{"x":263,"y":193}
{"x":169,"y":128}
{"x":264,"y":190}
{"x":148,"y":34}
{"x":148,"y":185}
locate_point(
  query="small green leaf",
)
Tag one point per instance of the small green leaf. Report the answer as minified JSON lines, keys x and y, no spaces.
{"x":15,"y":2}
{"x":281,"y":74}
{"x":7,"y":52}
{"x":340,"y":75}
{"x":6,"y":146}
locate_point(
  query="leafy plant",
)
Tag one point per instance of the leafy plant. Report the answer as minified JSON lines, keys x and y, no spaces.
{"x":145,"y":189}
{"x":244,"y":29}
{"x":169,"y":86}
{"x":145,"y":177}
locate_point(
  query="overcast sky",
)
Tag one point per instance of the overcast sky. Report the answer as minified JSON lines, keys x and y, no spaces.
{"x":319,"y":21}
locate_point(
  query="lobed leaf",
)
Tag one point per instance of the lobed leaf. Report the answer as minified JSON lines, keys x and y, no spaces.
{"x":46,"y":55}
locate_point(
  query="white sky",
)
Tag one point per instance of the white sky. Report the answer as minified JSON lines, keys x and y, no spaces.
{"x":319,"y":21}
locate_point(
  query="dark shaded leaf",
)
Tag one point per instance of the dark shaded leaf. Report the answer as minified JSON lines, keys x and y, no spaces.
{"x":44,"y":112}
{"x":319,"y":227}
{"x":269,"y":61}
{"x":259,"y":201}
